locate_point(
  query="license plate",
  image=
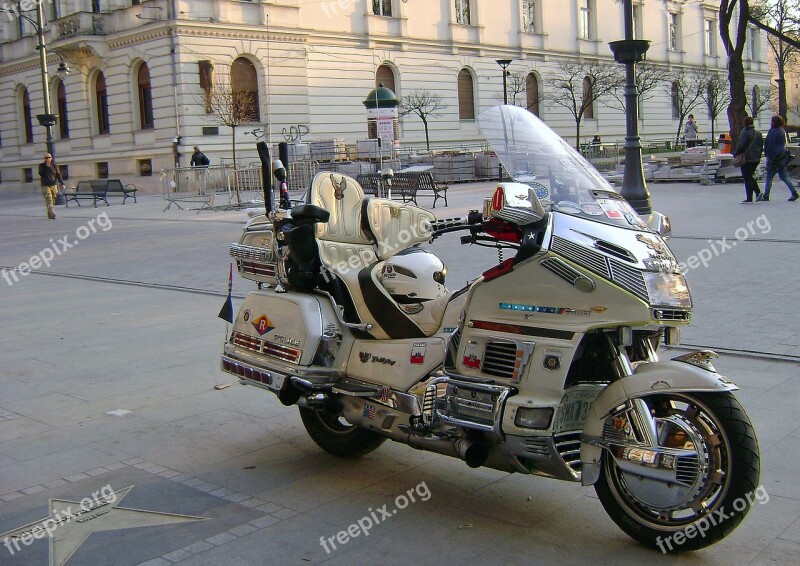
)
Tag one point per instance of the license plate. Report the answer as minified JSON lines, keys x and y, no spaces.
{"x":574,"y":409}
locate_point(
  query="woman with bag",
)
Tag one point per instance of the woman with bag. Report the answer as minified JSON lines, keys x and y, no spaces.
{"x":747,"y":157}
{"x":777,"y":159}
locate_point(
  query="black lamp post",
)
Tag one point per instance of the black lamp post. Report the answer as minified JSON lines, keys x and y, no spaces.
{"x":630,"y":51}
{"x":504,"y":63}
{"x":48,"y":119}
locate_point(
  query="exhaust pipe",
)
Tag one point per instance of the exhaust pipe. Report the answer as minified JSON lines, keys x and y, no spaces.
{"x":473,"y":453}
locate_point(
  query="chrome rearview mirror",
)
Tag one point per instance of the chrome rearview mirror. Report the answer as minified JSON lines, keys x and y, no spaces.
{"x":514,"y":202}
{"x":660,"y":224}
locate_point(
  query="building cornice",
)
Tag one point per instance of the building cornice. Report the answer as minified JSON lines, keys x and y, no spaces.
{"x":215,"y":31}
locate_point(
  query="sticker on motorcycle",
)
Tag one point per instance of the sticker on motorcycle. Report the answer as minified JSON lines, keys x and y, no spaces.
{"x":418,"y":352}
{"x":369,"y":411}
{"x":471,"y":361}
{"x":610,"y":208}
{"x":592,"y":209}
{"x":263,"y":325}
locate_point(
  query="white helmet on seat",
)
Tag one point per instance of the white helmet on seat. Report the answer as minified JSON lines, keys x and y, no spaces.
{"x":413,"y":276}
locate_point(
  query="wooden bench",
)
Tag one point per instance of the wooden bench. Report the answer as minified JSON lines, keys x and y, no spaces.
{"x":405,"y":185}
{"x":98,"y":189}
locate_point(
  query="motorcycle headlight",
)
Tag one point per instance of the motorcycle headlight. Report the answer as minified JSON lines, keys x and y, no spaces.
{"x":668,"y":290}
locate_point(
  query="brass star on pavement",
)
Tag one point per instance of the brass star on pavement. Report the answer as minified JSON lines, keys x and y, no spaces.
{"x":71,"y":522}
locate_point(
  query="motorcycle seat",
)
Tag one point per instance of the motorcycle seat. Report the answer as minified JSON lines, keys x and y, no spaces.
{"x":350,"y":248}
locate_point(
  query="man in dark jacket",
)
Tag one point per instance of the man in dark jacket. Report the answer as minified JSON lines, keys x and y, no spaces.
{"x":199,"y":158}
{"x":751,"y":144}
{"x":50,"y":179}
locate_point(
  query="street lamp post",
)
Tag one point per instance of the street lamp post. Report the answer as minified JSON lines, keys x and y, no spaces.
{"x":630,"y":51}
{"x":504,"y":63}
{"x":48,"y":119}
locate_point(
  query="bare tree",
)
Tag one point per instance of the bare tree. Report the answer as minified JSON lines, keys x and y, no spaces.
{"x":784,"y":17}
{"x":717,"y":96}
{"x":425,"y":104}
{"x":758,"y":101}
{"x":578,"y":85}
{"x":516,"y":84}
{"x":685,"y":89}
{"x":227,"y":105}
{"x":734,"y":48}
{"x":648,"y":78}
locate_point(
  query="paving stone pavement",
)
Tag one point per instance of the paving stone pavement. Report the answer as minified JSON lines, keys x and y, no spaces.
{"x":109,"y":357}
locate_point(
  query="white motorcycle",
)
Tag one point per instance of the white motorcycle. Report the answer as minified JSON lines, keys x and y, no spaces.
{"x":544,"y":364}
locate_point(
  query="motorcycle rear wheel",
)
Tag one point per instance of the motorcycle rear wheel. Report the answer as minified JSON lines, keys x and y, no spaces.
{"x":728,"y":492}
{"x":338,"y":437}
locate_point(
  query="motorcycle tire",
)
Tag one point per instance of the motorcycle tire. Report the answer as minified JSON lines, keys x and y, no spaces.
{"x":336,"y":436}
{"x":726,"y":496}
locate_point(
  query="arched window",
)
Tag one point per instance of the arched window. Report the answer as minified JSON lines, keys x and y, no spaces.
{"x":466,"y":95}
{"x":588,"y":98}
{"x":385,"y":76}
{"x":63,"y":116}
{"x":532,"y":93}
{"x":675,"y":101}
{"x":27,"y":117}
{"x":145,"y":97}
{"x":101,"y":104}
{"x":244,"y":86}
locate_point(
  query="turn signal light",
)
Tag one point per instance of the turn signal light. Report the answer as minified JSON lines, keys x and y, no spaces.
{"x":539,"y":418}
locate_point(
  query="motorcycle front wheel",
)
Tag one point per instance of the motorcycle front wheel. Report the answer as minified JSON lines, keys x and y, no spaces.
{"x":335,"y":435}
{"x":717,"y":464}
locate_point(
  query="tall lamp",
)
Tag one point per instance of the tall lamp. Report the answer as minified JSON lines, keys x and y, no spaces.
{"x":628,"y":52}
{"x":48,"y":119}
{"x":504,"y":63}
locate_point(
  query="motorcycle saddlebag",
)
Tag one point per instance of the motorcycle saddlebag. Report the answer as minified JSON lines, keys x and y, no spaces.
{"x":285,"y":327}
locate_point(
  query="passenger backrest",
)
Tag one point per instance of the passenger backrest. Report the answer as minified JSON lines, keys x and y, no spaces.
{"x":343,"y":237}
{"x":397,"y":226}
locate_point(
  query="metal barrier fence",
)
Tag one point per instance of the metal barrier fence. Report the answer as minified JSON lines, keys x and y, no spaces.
{"x":189,"y":185}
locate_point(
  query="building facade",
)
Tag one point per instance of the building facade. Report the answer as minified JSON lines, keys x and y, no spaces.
{"x":141,"y":72}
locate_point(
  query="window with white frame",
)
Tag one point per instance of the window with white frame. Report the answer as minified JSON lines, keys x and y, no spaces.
{"x":529,"y":16}
{"x":755,"y":43}
{"x":709,"y":36}
{"x":463,"y":15}
{"x":674,"y":31}
{"x":585,"y":19}
{"x":382,"y":7}
{"x":636,"y":12}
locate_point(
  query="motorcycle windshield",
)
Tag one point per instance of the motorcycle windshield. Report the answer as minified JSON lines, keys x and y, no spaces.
{"x":562,"y":179}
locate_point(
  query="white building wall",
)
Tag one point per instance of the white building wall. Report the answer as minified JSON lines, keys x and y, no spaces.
{"x":316,"y":62}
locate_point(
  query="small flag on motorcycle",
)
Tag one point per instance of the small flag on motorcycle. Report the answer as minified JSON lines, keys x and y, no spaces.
{"x":226,"y":312}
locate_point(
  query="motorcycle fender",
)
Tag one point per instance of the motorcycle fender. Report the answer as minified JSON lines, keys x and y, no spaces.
{"x":672,"y":376}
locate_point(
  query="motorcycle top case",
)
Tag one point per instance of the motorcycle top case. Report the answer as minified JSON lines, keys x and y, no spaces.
{"x":286,"y":327}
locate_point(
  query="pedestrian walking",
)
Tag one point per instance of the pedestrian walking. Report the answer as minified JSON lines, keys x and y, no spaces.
{"x":50,"y":179}
{"x":777,"y":160}
{"x":690,"y":131}
{"x":199,"y":158}
{"x":751,"y":145}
